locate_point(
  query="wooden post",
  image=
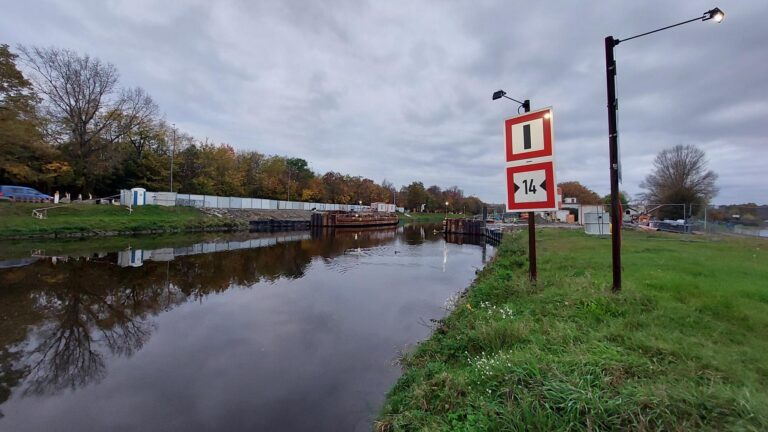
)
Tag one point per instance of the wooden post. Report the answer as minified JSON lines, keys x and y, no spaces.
{"x":532,"y":271}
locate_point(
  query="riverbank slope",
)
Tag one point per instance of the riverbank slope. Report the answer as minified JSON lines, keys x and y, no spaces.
{"x":428,"y":217}
{"x":77,"y":220}
{"x":683,"y":347}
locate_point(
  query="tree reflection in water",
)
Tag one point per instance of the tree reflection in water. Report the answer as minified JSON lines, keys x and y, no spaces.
{"x":83,"y":326}
{"x":63,"y":321}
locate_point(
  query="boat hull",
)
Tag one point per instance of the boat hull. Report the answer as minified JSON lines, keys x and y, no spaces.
{"x":353,"y":220}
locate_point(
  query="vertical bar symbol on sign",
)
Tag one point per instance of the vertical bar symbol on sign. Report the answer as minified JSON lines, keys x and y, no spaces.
{"x":527,"y":137}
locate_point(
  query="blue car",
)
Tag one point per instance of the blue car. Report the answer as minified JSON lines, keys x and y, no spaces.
{"x":22,"y":193}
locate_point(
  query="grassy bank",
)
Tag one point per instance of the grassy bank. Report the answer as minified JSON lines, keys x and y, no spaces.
{"x":16,"y":220}
{"x":428,"y":217}
{"x":683,"y":347}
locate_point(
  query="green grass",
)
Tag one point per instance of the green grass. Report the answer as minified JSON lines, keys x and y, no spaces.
{"x":16,"y":219}
{"x":429,"y":217}
{"x":683,"y":347}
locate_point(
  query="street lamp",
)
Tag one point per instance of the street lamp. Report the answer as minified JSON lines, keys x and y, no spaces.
{"x":525,"y":105}
{"x":446,"y":209}
{"x":173,"y":149}
{"x":613,"y":134}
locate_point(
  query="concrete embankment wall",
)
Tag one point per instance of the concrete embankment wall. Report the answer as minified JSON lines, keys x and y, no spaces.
{"x":250,"y":215}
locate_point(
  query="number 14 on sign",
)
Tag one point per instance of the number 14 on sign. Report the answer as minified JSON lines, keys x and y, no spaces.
{"x":531,"y":187}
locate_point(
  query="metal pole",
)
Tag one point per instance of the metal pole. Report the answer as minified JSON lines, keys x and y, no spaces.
{"x":173,"y":149}
{"x":613,"y":150}
{"x":532,"y":271}
{"x":705,"y":217}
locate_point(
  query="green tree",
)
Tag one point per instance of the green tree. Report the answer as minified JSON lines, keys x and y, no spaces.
{"x":622,"y":199}
{"x":415,"y":195}
{"x":250,"y":163}
{"x":22,"y":151}
{"x":435,"y":198}
{"x":336,"y":188}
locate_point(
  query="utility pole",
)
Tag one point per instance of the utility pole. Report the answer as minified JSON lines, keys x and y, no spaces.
{"x":613,"y":155}
{"x":705,"y":217}
{"x":716,"y":15}
{"x":173,"y":149}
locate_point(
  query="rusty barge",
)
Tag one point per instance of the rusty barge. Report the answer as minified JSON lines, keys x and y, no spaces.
{"x":340,"y":219}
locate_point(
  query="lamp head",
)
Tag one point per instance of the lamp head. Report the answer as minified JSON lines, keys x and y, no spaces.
{"x":499,"y":94}
{"x":715,"y":14}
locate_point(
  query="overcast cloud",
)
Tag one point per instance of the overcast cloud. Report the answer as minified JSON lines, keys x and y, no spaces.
{"x":402,"y":90}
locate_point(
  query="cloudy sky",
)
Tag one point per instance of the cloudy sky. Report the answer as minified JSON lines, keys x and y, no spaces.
{"x":402,"y":90}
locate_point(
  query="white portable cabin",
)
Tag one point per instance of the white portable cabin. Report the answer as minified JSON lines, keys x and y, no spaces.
{"x":379,"y":207}
{"x":597,"y":223}
{"x":130,"y":258}
{"x":138,"y":196}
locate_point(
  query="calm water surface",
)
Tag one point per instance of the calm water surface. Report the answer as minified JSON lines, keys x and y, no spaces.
{"x":287,"y":332}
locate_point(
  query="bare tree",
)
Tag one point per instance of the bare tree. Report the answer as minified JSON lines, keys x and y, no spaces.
{"x":137,"y":122}
{"x":680,"y":176}
{"x":82,"y":97}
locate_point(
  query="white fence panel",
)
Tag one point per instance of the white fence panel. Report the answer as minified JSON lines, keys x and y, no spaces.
{"x":149,"y":198}
{"x":212,"y":201}
{"x":167,"y":199}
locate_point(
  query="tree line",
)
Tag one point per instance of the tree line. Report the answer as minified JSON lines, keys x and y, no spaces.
{"x":679,"y":183}
{"x":67,"y":124}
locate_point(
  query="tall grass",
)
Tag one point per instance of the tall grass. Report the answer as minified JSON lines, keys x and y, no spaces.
{"x":683,"y":347}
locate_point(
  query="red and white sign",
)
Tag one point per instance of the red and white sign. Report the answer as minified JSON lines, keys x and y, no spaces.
{"x":529,"y":136}
{"x":531,"y":187}
{"x":529,"y":142}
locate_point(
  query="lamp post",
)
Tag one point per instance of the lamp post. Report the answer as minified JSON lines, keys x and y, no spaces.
{"x":173,"y":149}
{"x":446,"y":209}
{"x":613,"y":135}
{"x":532,"y":270}
{"x":289,"y":184}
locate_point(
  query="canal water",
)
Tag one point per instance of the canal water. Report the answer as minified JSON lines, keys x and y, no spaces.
{"x":272,"y":332}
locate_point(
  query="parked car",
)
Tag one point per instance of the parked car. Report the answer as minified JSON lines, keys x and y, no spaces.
{"x":23,"y":193}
